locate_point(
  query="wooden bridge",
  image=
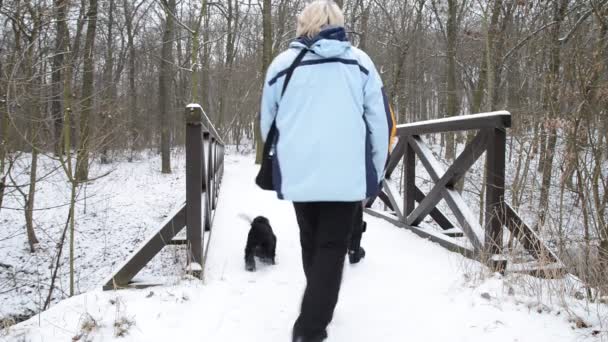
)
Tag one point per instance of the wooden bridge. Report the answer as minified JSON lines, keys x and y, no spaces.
{"x":485,"y":243}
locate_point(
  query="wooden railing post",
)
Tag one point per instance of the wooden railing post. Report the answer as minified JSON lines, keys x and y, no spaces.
{"x":208,"y":178}
{"x":495,"y":195}
{"x":194,"y":184}
{"x":189,"y":214}
{"x":409,"y":179}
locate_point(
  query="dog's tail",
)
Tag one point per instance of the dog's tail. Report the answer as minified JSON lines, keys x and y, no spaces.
{"x":245,"y":217}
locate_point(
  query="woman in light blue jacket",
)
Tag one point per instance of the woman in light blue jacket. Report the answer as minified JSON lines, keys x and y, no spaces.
{"x":333,"y":124}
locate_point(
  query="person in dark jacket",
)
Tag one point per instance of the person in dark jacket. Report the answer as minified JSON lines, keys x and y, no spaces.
{"x":333,"y":124}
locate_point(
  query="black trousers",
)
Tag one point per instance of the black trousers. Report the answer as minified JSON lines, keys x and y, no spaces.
{"x":358,"y":230}
{"x":325,"y":229}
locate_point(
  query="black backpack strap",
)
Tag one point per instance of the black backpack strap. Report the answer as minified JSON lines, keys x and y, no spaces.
{"x":273,"y":129}
{"x":291,"y":69}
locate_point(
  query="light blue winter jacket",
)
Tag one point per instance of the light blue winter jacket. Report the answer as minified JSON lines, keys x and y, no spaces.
{"x":333,"y":121}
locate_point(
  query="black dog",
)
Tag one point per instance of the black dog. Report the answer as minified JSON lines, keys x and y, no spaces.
{"x":261,"y":242}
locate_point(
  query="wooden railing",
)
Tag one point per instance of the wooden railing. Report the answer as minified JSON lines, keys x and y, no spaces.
{"x":485,"y":243}
{"x":204,"y":171}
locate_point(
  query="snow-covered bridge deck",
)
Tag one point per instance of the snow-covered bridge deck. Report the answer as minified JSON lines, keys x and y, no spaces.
{"x":407,"y":289}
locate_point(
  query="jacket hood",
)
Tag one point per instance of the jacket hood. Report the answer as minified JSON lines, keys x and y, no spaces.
{"x":330,"y":42}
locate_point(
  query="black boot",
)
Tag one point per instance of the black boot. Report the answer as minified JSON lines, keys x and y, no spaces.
{"x":296,"y":335}
{"x":307,"y":339}
{"x":354,"y":256}
{"x":297,"y":338}
{"x":355,"y":251}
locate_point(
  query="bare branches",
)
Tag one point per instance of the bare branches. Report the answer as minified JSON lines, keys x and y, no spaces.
{"x":582,"y":18}
{"x":525,"y":40}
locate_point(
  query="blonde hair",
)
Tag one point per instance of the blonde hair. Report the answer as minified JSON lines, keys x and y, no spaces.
{"x":317,"y":14}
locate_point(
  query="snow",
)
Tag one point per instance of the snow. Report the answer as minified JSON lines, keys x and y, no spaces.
{"x":114,"y":215}
{"x":406,"y":289}
{"x":452,"y":119}
{"x":194,"y":106}
{"x":195,"y":267}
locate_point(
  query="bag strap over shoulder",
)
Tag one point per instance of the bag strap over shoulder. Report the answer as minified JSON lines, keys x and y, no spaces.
{"x":273,"y":129}
{"x":291,"y":69}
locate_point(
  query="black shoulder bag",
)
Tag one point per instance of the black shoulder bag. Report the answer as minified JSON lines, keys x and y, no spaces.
{"x":264,"y":177}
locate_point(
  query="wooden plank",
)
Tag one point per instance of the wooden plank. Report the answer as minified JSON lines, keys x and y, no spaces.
{"x":155,"y":243}
{"x":437,"y":237}
{"x":554,"y":270}
{"x":390,"y":193}
{"x":436,"y":214}
{"x":216,"y":180}
{"x":528,"y":238}
{"x":455,"y":172}
{"x":208,"y":173}
{"x":468,"y":221}
{"x":395,"y":157}
{"x":194,"y":184}
{"x":384,"y":198}
{"x":409,"y":179}
{"x":454,"y":232}
{"x":501,"y":119}
{"x":463,"y":214}
{"x":495,"y":191}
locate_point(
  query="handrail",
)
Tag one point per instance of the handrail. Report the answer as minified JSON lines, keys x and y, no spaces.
{"x":204,"y":171}
{"x":198,"y":114}
{"x":485,"y":239}
{"x":500,"y":119}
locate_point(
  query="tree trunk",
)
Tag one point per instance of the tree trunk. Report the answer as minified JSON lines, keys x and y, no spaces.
{"x":129,"y":12}
{"x":29,"y":205}
{"x":364,"y":27}
{"x":4,"y":139}
{"x":491,"y":53}
{"x":32,"y":112}
{"x":61,"y":46}
{"x":82,"y":162}
{"x":266,"y":60}
{"x":74,"y":62}
{"x":74,"y":185}
{"x":232,"y":17}
{"x":164,"y":85}
{"x":206,"y":64}
{"x":451,"y":91}
{"x":197,"y":96}
{"x":552,"y":108}
{"x":486,"y":80}
{"x":66,"y":156}
{"x":105,"y":122}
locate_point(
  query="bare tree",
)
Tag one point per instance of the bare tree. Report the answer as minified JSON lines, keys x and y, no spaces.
{"x":551,"y":106}
{"x":266,"y":60}
{"x":164,"y":84}
{"x":82,"y":163}
{"x":61,"y":46}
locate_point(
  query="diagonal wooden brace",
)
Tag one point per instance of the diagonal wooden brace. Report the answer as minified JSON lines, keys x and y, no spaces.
{"x":463,"y":214}
{"x":455,"y":172}
{"x":395,"y":157}
{"x":390,"y":192}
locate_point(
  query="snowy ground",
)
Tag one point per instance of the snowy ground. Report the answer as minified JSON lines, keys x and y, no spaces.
{"x":407,"y":289}
{"x":114,"y":215}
